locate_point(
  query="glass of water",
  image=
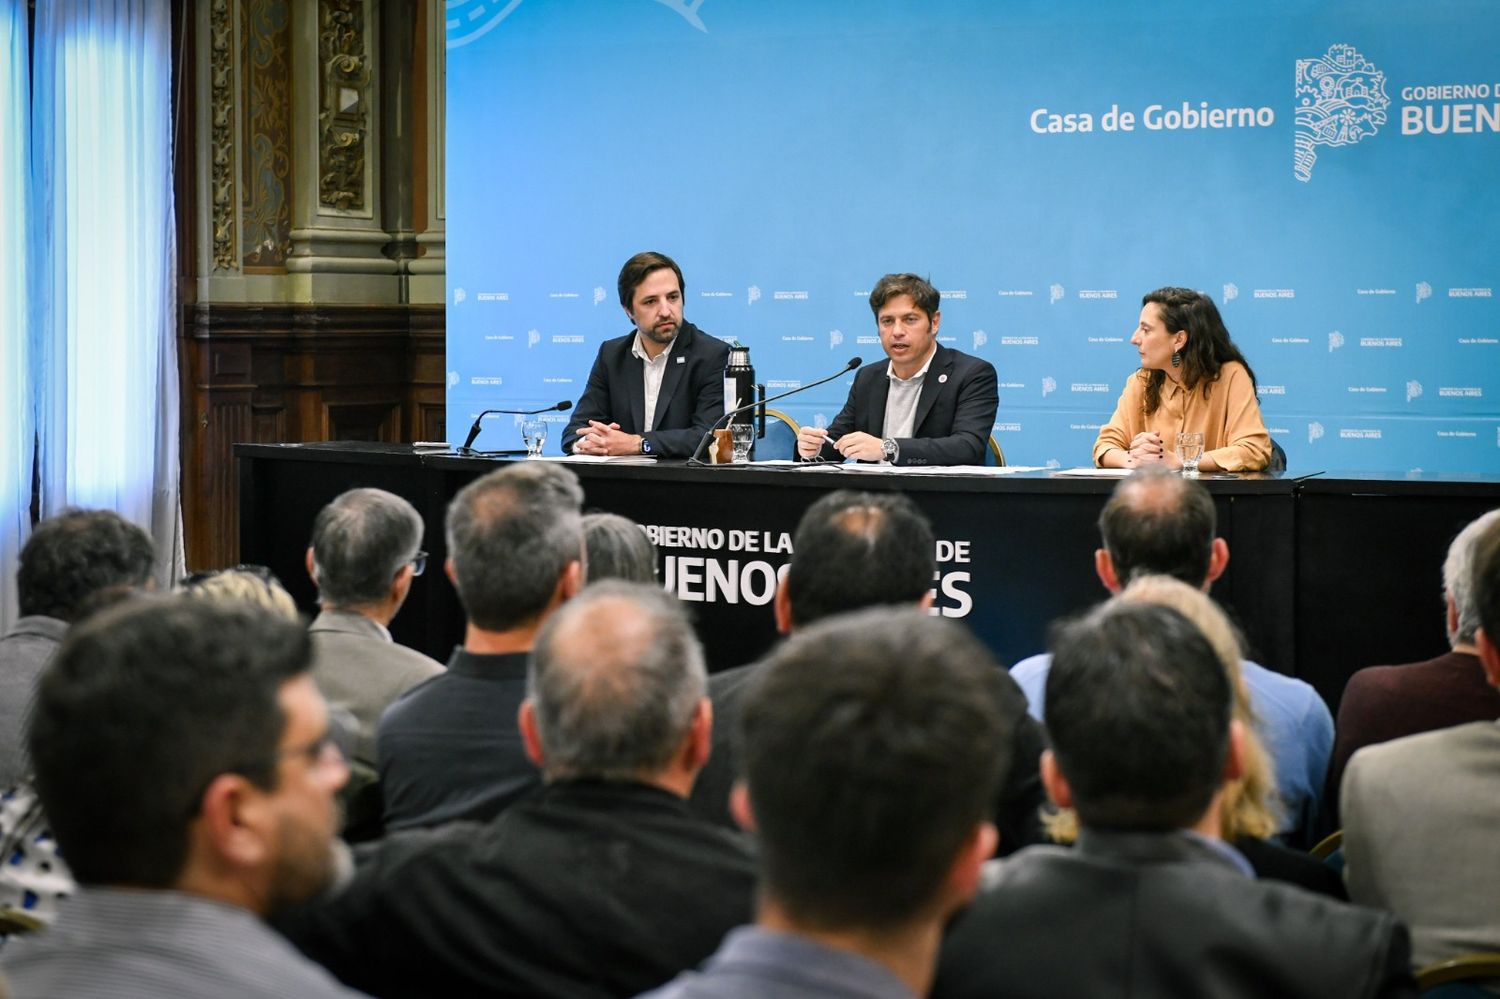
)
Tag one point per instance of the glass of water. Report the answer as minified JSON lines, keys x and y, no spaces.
{"x":743,"y":435}
{"x":534,"y":433}
{"x":1190,"y":451}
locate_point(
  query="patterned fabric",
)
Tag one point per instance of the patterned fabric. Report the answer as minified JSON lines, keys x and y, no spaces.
{"x":33,"y":877}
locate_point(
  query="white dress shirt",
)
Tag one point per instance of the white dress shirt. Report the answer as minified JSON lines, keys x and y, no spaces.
{"x":654,"y":369}
{"x":901,"y":400}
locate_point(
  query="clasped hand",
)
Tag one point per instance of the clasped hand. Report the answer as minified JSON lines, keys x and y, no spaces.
{"x":1147,"y":449}
{"x":605,"y":439}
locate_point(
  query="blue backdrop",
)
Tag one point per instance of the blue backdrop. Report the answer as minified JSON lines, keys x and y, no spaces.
{"x":1325,"y":171}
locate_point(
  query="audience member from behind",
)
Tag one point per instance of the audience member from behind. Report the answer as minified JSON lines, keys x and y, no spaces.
{"x":617,"y":549}
{"x":1382,"y":703}
{"x":1158,"y":523}
{"x":449,"y":748}
{"x":1420,"y":812}
{"x":365,"y":552}
{"x":1151,"y":901}
{"x":252,"y":585}
{"x":182,"y":755}
{"x":603,"y":884}
{"x":851,"y":551}
{"x":872,"y":751}
{"x":1249,"y":815}
{"x":67,"y":561}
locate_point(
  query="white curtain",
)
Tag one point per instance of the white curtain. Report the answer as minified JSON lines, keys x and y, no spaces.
{"x":17,"y":403}
{"x":103,"y":224}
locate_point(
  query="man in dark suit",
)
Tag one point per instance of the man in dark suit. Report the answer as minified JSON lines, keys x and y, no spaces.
{"x":854,"y":551}
{"x":1151,"y":902}
{"x":927,"y":405}
{"x":657,"y":389}
{"x":872,"y":750}
{"x":601,"y":885}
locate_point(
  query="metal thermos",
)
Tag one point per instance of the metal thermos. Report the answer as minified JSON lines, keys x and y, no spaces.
{"x":739,"y":381}
{"x":740,"y":388}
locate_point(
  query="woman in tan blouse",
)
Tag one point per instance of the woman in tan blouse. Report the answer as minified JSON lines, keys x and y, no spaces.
{"x":1192,"y":378}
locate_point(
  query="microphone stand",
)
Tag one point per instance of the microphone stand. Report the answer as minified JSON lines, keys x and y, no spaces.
{"x":466,"y":449}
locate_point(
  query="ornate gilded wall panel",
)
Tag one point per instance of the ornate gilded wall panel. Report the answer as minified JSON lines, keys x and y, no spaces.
{"x":221,"y":92}
{"x":266,"y":74}
{"x":344,"y":99}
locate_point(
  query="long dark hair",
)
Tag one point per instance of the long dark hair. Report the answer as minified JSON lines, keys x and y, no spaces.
{"x":1208,"y":346}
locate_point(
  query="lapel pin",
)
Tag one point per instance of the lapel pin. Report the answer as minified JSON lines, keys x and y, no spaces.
{"x":942,"y":379}
{"x":681,"y":360}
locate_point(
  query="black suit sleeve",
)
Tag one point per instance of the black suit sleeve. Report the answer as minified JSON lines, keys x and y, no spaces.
{"x":977,"y":399}
{"x":1018,"y":810}
{"x":596,"y":404}
{"x":1020,"y":796}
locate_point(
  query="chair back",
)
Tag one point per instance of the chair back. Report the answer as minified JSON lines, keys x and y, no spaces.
{"x":1460,"y":977}
{"x":1278,"y":458}
{"x":780,"y":441}
{"x":1330,"y":851}
{"x":994,"y":455}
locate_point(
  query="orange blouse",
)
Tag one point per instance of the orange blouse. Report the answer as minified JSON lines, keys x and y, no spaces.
{"x":1225,"y":410}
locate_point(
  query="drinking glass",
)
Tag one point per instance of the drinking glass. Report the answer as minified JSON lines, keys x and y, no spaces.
{"x":1190,"y":450}
{"x":534,"y":433}
{"x":744,"y":436}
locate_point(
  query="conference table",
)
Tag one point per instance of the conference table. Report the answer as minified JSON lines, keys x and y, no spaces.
{"x":1326,"y":573}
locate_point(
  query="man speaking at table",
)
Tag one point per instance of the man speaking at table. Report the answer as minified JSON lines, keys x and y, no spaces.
{"x":655,"y":390}
{"x":927,"y":405}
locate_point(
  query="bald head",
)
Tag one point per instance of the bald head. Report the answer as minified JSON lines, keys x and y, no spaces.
{"x":615,"y":682}
{"x":1158,"y":522}
{"x":856,"y":550}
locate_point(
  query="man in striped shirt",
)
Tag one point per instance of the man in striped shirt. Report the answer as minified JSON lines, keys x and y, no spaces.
{"x":183,"y":758}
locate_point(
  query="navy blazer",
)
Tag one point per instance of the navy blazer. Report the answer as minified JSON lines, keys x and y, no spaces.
{"x":955,"y":412}
{"x":691,"y":397}
{"x":1134,"y":915}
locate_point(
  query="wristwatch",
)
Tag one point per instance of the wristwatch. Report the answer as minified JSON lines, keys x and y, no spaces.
{"x":645,"y":445}
{"x":888,"y":449}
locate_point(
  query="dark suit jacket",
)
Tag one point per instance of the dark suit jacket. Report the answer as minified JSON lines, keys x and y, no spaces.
{"x":591,"y":889}
{"x":1163,"y":915}
{"x":691,"y":397}
{"x":1018,"y":800}
{"x":955,"y":412}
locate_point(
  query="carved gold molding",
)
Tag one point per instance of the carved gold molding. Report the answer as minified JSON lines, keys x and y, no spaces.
{"x":221,"y":149}
{"x":344,"y":91}
{"x":266,"y":212}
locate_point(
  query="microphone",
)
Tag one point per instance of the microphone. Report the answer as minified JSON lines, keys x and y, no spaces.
{"x":728,"y":417}
{"x":465,"y":448}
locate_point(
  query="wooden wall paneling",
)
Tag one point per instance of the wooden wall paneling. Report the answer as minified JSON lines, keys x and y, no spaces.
{"x":276,"y":373}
